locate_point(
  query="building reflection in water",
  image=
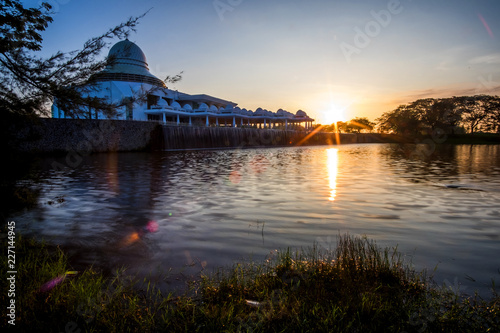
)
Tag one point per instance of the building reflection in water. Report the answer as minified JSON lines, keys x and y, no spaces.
{"x":112,"y":171}
{"x":333,"y":168}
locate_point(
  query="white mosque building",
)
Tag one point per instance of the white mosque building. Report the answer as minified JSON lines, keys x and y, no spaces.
{"x":128,"y":77}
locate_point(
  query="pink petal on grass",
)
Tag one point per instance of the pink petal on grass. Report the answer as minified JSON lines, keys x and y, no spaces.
{"x":52,"y":283}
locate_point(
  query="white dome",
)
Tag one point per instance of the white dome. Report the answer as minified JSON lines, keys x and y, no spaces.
{"x":203,"y":107}
{"x":259,"y":112}
{"x":162,"y":102}
{"x":175,"y":105}
{"x":213,"y":108}
{"x":126,"y":52}
{"x":187,"y":108}
{"x":301,"y":113}
{"x":128,"y":63}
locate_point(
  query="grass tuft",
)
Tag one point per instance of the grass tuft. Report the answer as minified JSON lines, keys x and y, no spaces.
{"x":356,"y":287}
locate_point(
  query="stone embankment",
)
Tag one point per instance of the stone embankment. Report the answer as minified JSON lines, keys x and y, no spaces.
{"x":47,"y":135}
{"x":94,"y":136}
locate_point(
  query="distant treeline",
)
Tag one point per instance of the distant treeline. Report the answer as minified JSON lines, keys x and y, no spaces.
{"x":453,"y":115}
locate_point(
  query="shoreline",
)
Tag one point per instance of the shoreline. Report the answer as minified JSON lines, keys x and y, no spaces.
{"x":357,"y":286}
{"x":79,"y":137}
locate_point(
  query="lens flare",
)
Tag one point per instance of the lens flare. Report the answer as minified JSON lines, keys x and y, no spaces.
{"x":54,"y":282}
{"x":259,"y":163}
{"x":486,"y":26}
{"x":152,"y":226}
{"x":235,"y":177}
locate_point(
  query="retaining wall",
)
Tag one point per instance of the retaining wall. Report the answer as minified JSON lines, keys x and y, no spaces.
{"x":47,"y":135}
{"x":222,"y":137}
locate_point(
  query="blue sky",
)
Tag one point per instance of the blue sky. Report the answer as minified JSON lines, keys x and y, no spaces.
{"x":332,"y":58}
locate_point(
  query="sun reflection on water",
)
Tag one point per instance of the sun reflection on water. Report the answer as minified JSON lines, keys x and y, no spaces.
{"x":333,"y":168}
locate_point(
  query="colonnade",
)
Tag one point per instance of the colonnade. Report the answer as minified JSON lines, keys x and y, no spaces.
{"x":234,"y":121}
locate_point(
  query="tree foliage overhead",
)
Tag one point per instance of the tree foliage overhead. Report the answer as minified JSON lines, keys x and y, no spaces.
{"x":464,"y":113}
{"x":21,"y":27}
{"x":29,"y":83}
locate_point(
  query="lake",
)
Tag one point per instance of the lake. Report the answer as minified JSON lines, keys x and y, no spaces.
{"x":181,"y":212}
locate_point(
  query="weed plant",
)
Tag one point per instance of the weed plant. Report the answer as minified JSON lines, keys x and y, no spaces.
{"x":358,"y":287}
{"x":87,"y":302}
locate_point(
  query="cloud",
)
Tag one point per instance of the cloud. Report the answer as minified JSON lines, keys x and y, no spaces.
{"x":444,"y":65}
{"x":483,"y":87}
{"x":487,"y":59}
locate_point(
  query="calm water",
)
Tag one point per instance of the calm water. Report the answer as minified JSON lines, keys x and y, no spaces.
{"x":216,"y":207}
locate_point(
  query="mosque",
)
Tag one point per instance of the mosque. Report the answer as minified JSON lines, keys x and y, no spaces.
{"x":128,"y":82}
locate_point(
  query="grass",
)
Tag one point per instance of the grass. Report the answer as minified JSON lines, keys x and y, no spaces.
{"x":87,"y":301}
{"x":356,"y":288}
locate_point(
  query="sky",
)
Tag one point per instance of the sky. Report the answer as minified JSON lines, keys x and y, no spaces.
{"x":334,"y":59}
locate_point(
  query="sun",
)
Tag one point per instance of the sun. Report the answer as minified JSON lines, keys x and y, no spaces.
{"x":334,"y":114}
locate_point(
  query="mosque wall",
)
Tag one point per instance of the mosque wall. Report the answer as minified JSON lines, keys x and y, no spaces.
{"x":182,"y":137}
{"x":51,"y":135}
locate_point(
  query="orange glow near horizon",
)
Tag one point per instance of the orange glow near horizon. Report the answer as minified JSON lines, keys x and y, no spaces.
{"x":333,"y":114}
{"x":333,"y":169}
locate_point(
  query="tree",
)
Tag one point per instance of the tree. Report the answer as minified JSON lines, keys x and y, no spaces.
{"x":473,"y":111}
{"x":325,"y":128}
{"x":434,"y":114}
{"x":403,"y":120}
{"x":360,"y":124}
{"x":493,"y":111}
{"x":450,"y":115}
{"x":476,"y":113}
{"x":29,"y":83}
{"x":341,"y":127}
{"x":427,"y":111}
{"x":333,"y":127}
